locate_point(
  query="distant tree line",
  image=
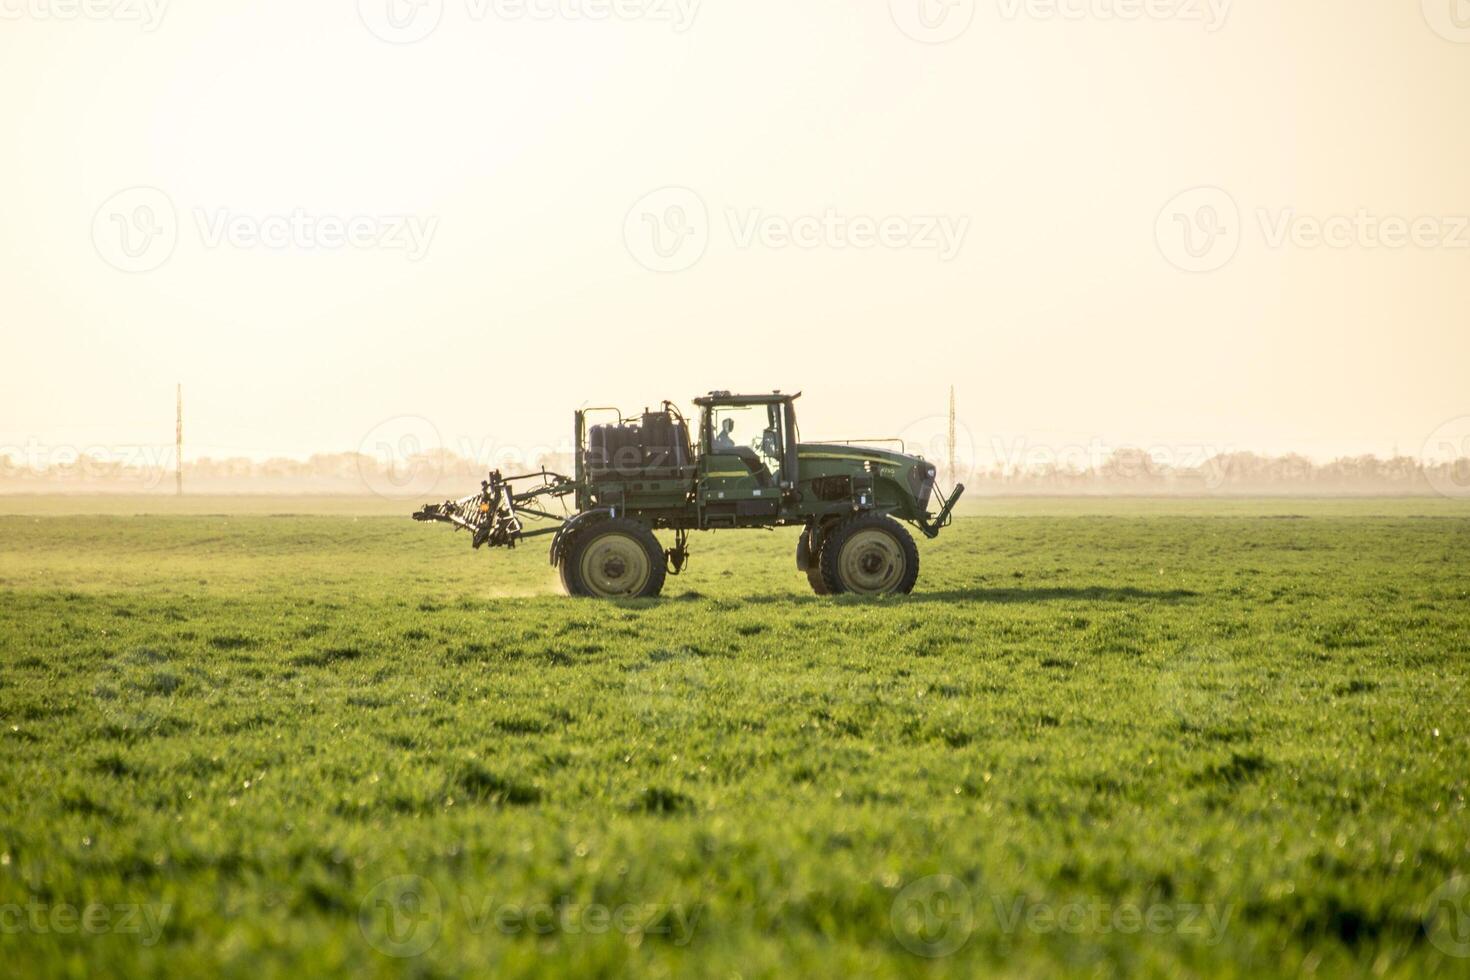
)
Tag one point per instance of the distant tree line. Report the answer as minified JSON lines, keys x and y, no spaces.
{"x":443,"y":474}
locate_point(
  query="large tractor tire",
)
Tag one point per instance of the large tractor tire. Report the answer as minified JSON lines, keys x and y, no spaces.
{"x":809,"y":559}
{"x":869,"y":554}
{"x":614,"y":559}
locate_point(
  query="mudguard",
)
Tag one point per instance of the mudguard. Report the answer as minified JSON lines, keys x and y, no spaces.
{"x":563,"y":537}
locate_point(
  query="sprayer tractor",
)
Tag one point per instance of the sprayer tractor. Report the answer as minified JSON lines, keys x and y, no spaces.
{"x":744,"y":467}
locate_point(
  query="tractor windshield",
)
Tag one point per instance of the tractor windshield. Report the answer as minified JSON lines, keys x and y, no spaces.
{"x":752,"y":432}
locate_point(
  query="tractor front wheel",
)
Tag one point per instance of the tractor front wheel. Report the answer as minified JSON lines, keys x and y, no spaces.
{"x":809,"y":559}
{"x":870,"y":554}
{"x":615,"y":559}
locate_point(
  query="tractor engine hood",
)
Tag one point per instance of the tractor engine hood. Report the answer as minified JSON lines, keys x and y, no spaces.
{"x":913,"y":474}
{"x":853,"y":454}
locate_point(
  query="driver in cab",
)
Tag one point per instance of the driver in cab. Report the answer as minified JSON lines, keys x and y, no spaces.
{"x":723,"y":440}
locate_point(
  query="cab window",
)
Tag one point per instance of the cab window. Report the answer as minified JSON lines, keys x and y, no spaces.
{"x":748,"y":431}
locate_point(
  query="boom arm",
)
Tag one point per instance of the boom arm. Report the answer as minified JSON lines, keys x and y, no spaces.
{"x":493,"y":516}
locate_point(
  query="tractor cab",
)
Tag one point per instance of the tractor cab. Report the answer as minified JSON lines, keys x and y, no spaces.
{"x":747,"y":457}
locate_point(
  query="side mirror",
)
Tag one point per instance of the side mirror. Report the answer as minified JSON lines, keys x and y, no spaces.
{"x":771,"y":443}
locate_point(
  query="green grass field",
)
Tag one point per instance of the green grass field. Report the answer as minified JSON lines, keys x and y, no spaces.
{"x":1143,"y":737}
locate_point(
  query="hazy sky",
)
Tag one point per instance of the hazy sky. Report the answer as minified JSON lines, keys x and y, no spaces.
{"x":485,"y":213}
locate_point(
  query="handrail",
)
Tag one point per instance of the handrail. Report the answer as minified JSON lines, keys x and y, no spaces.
{"x":903,"y":447}
{"x":605,"y":408}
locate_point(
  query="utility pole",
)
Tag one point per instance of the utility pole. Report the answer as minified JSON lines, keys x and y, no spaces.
{"x":952,"y":468}
{"x":179,"y":442}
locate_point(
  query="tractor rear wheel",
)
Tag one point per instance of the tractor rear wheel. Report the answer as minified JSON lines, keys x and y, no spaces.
{"x":614,"y":559}
{"x":870,"y":554}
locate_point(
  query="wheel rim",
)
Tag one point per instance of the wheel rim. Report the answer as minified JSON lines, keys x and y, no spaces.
{"x":872,"y":563}
{"x":615,"y":565}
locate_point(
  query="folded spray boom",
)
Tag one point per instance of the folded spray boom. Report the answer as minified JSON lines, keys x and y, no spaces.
{"x":493,"y":516}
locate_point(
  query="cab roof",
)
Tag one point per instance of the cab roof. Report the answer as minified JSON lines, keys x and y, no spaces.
{"x":725,"y":398}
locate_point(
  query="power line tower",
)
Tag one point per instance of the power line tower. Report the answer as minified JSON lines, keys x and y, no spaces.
{"x":953,"y":469}
{"x":179,"y":441}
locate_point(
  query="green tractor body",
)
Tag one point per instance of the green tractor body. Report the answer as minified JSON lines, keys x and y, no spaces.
{"x":743,"y":467}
